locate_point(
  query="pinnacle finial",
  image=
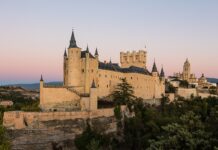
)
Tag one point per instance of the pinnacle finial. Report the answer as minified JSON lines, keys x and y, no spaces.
{"x":162,"y":74}
{"x":87,"y":49}
{"x":96,"y":52}
{"x":72,"y":41}
{"x":154,"y":68}
{"x":65,"y":52}
{"x":110,"y":61}
{"x":41,"y":79}
{"x":93,"y":84}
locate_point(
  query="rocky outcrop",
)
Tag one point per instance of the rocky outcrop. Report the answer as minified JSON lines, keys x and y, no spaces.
{"x":57,"y":134}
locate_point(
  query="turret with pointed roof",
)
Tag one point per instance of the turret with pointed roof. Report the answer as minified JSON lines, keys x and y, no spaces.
{"x":41,"y":79}
{"x":96,"y":52}
{"x":72,"y":41}
{"x":162,"y":74}
{"x":154,"y":68}
{"x":87,"y":49}
{"x":93,"y":84}
{"x":65,"y":53}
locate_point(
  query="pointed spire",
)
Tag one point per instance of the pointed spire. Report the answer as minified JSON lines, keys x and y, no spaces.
{"x":41,"y":79}
{"x":87,"y":49}
{"x":162,"y":74}
{"x":154,"y":68}
{"x":96,"y":52}
{"x":93,"y":84}
{"x":110,"y":61}
{"x":72,"y":41}
{"x":65,"y":53}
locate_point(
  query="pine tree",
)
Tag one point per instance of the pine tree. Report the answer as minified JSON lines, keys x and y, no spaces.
{"x":123,"y":93}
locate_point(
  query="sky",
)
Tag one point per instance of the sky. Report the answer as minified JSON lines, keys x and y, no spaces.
{"x":34,"y":34}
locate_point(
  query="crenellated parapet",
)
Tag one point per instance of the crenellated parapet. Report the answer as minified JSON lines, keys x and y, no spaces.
{"x":135,"y":58}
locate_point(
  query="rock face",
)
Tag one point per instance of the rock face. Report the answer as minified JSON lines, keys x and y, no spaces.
{"x":57,"y":134}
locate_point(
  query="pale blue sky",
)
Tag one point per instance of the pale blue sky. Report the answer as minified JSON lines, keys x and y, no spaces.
{"x":34,"y":33}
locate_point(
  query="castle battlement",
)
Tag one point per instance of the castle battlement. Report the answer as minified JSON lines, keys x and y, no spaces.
{"x":134,"y":58}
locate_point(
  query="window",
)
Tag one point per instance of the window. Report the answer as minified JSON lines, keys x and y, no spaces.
{"x":82,"y":70}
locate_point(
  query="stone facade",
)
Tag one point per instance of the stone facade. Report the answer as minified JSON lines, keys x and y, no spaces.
{"x":81,"y":69}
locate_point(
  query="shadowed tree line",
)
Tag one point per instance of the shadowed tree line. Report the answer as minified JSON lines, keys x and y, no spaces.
{"x":182,"y":124}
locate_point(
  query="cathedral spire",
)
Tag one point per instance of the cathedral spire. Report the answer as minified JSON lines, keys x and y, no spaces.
{"x":72,"y":41}
{"x":154,"y":68}
{"x":162,"y":74}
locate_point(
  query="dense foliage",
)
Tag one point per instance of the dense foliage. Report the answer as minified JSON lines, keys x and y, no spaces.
{"x":182,"y":124}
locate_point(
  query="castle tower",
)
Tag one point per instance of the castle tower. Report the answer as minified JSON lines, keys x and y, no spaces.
{"x":73,"y":64}
{"x":41,"y":85}
{"x":162,"y":74}
{"x":186,"y":70}
{"x":154,"y":70}
{"x":93,"y":97}
{"x":87,"y":71}
{"x":96,"y":53}
{"x":65,"y":68}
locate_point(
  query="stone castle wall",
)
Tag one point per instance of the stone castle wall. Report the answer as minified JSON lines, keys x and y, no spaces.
{"x":145,"y":86}
{"x":22,"y":120}
{"x":55,"y":97}
{"x":43,"y":130}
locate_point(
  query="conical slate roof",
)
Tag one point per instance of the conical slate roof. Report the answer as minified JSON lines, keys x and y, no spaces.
{"x":96,"y":52}
{"x":65,"y":53}
{"x":72,"y":41}
{"x":41,"y":79}
{"x":154,"y":68}
{"x":93,"y":84}
{"x":162,"y":74}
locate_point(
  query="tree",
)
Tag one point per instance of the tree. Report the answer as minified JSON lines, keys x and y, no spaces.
{"x":189,"y":133}
{"x":123,"y":93}
{"x":4,"y":141}
{"x":163,"y":102}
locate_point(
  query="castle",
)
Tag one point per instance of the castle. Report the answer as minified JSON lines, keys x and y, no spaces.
{"x":86,"y":78}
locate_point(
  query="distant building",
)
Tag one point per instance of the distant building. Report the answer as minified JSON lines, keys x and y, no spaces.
{"x":186,"y":74}
{"x":6,"y":103}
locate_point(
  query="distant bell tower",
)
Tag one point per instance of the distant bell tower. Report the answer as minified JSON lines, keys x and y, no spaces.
{"x":186,"y":70}
{"x":73,"y":75}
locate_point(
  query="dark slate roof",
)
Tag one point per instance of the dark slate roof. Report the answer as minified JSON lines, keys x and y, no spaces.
{"x":96,"y":51}
{"x":83,"y":54}
{"x":154,"y":69}
{"x":72,"y":41}
{"x":162,"y":74}
{"x":93,"y":84}
{"x":116,"y":67}
{"x":65,"y":53}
